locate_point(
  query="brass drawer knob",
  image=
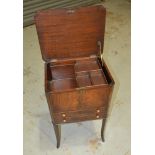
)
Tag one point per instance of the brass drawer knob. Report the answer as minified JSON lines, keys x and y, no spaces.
{"x":97,"y":116}
{"x":64,"y":120}
{"x":63,"y":115}
{"x":97,"y":110}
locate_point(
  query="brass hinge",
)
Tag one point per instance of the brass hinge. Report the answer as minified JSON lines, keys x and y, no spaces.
{"x":54,"y":60}
{"x":70,"y":11}
{"x":93,"y":56}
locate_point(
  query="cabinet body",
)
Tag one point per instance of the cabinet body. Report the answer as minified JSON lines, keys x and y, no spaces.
{"x":78,"y":96}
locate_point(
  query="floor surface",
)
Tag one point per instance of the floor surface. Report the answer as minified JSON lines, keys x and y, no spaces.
{"x":81,"y":138}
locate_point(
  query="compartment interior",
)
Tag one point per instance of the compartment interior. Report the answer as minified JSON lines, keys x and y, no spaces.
{"x":76,"y":74}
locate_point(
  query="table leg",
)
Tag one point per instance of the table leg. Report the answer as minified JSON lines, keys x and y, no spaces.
{"x":102,"y":129}
{"x":57,"y":129}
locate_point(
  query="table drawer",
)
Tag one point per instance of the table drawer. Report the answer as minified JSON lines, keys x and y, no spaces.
{"x":76,"y":116}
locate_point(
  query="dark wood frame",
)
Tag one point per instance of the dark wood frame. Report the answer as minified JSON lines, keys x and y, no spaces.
{"x":75,"y":71}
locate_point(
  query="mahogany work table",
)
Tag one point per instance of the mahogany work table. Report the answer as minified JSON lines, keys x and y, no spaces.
{"x":78,"y":84}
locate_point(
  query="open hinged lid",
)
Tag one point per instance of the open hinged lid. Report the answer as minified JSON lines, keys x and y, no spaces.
{"x":67,"y":34}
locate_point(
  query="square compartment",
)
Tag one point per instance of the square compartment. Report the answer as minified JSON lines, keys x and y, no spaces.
{"x":62,"y":71}
{"x":83,"y":79}
{"x":86,"y":65}
{"x":63,"y":84}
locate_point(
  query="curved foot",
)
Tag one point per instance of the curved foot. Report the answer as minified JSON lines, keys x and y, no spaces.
{"x":58,"y":145}
{"x":102,"y":137}
{"x":57,"y":129}
{"x":102,"y":130}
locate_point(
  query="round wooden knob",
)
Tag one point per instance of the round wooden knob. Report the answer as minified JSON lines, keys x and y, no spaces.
{"x":97,"y":116}
{"x":98,"y":110}
{"x":63,"y":115}
{"x":64,"y":120}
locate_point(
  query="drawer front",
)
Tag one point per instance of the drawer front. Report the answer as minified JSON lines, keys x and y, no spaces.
{"x":76,"y":116}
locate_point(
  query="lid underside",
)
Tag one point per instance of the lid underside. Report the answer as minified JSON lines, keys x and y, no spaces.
{"x":65,"y":33}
